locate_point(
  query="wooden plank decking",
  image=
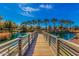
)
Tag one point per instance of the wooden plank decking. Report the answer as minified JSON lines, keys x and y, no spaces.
{"x":42,"y":47}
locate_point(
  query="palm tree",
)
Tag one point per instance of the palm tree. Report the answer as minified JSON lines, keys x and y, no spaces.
{"x":34,"y":23}
{"x":29,"y":24}
{"x":38,"y":22}
{"x":62,"y":22}
{"x":54,"y":20}
{"x":24,"y":23}
{"x":46,"y":21}
{"x":71,"y":22}
{"x":68,"y":23}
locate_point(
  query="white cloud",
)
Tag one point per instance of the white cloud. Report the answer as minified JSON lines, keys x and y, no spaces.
{"x":47,"y":6}
{"x":27,"y":11}
{"x":30,"y":9}
{"x":26,"y":14}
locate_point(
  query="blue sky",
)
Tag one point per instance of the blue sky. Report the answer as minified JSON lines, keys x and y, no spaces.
{"x":19,"y":12}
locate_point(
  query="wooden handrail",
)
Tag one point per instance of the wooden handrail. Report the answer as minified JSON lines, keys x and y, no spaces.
{"x":62,"y":46}
{"x":17,"y":46}
{"x":9,"y":42}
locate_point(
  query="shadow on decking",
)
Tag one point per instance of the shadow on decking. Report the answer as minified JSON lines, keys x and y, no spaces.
{"x":30,"y":50}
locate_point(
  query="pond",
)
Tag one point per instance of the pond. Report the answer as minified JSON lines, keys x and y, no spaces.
{"x":16,"y":35}
{"x":64,"y":35}
{"x":13,"y":36}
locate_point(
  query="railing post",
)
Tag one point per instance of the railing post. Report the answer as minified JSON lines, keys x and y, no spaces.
{"x":49,"y":38}
{"x":58,"y":43}
{"x":46,"y":36}
{"x":33,"y":36}
{"x":28,"y":41}
{"x":8,"y":51}
{"x":20,"y":46}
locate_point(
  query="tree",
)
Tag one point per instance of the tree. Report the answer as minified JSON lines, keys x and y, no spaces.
{"x":46,"y":21}
{"x":67,"y":23}
{"x":62,"y":23}
{"x":9,"y":25}
{"x":23,"y":28}
{"x":54,"y":20}
{"x":71,"y":22}
{"x":34,"y":22}
{"x":38,"y":22}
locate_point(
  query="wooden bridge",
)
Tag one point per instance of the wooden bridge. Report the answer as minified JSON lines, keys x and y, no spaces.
{"x":41,"y":47}
{"x":39,"y":44}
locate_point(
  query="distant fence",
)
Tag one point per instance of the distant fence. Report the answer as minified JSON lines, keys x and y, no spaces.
{"x":62,"y":47}
{"x":17,"y":46}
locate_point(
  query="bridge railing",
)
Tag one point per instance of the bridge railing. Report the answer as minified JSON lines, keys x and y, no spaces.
{"x":17,"y":46}
{"x":62,"y":47}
